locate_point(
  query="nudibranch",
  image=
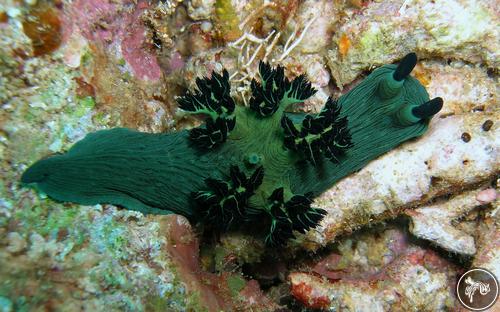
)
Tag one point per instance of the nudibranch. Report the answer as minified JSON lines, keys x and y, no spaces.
{"x":246,"y":165}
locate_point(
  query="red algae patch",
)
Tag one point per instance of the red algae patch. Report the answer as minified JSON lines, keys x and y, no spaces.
{"x":4,"y":18}
{"x":43,"y":26}
{"x":312,"y":297}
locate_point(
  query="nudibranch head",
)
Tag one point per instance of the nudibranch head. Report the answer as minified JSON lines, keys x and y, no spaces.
{"x":409,"y":99}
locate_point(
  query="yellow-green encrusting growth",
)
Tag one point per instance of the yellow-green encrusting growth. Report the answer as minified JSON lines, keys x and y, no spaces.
{"x":226,"y":21}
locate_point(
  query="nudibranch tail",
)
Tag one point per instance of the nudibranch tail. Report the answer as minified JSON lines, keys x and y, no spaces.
{"x":256,"y":165}
{"x":140,"y":171}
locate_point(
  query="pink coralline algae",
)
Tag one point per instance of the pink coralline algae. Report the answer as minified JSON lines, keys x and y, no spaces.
{"x":215,"y":290}
{"x":486,"y":196}
{"x":113,"y":26}
{"x":143,"y":61}
{"x":378,"y":270}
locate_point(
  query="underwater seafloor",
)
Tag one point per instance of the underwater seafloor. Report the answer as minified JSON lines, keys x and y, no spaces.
{"x":398,"y":233}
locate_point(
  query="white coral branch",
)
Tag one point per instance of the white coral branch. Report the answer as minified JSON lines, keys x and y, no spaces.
{"x":288,"y":48}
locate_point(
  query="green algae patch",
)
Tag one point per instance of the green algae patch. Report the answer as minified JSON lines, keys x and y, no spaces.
{"x":110,"y":237}
{"x":83,"y":106}
{"x":194,"y":302}
{"x":86,"y":58}
{"x":110,"y":275}
{"x":155,"y":303}
{"x":172,"y":296}
{"x":28,"y":145}
{"x":55,"y":93}
{"x":376,"y":41}
{"x":122,"y":62}
{"x":59,"y":219}
{"x":47,"y":217}
{"x":219,"y":255}
{"x":235,"y":284}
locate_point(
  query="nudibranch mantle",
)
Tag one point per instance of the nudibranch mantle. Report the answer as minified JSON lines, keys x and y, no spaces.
{"x":258,"y":164}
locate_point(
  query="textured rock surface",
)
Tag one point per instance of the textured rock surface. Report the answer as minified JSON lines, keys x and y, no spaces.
{"x":121,"y":63}
{"x":434,"y":223}
{"x":441,"y":163}
{"x":378,"y":33}
{"x":378,"y":270}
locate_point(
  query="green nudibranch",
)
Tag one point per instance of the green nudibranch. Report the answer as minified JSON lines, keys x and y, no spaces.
{"x":245,"y":164}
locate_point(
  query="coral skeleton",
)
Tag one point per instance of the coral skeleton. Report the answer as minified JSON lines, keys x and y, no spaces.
{"x":250,"y":46}
{"x":259,"y":165}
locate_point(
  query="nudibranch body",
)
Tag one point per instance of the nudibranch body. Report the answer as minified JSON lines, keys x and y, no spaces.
{"x":246,"y":164}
